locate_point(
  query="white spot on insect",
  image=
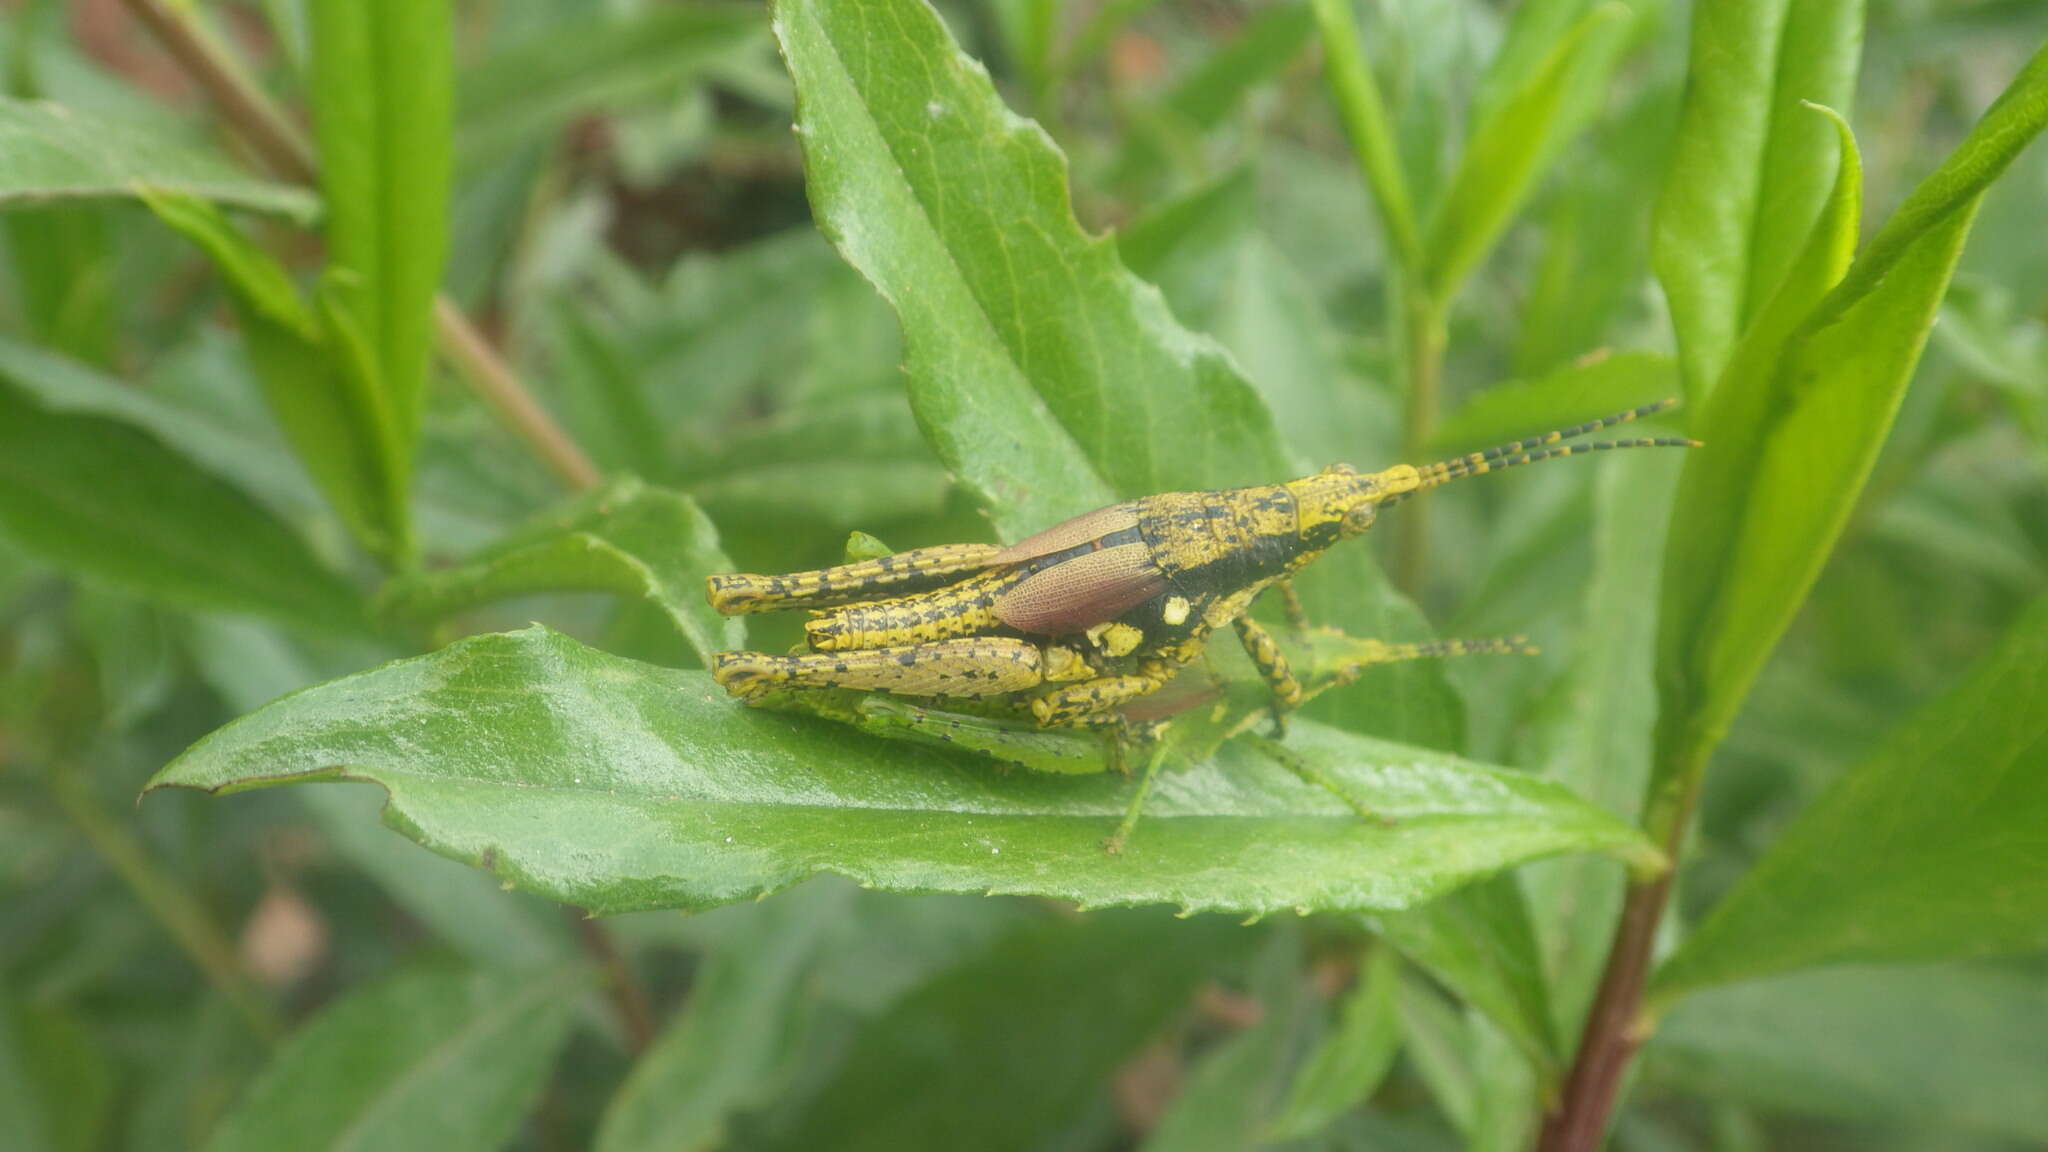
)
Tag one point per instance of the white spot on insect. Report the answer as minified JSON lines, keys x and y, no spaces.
{"x":1175,"y":612}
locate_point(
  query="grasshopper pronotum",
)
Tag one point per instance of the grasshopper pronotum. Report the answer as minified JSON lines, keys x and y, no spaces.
{"x":1081,"y":620}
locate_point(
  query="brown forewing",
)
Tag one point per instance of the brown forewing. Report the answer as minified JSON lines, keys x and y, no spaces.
{"x":1067,"y":533}
{"x":1075,"y":595}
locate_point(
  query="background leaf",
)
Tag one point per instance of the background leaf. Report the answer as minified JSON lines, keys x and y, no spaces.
{"x":655,"y":791}
{"x":112,"y":502}
{"x":57,"y":152}
{"x":1751,"y":169}
{"x":1930,"y":1053}
{"x":1348,"y":1065}
{"x":528,"y":89}
{"x":624,"y":538}
{"x":724,"y":1049}
{"x":1930,"y":850}
{"x":1501,"y":162}
{"x":382,"y":95}
{"x":328,"y":413}
{"x":1008,"y":1046}
{"x":432,"y":1058}
{"x":1478,"y":942}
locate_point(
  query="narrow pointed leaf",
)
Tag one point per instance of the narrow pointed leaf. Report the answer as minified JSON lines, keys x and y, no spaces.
{"x":1364,"y":112}
{"x":726,"y":1043}
{"x":1505,"y":157}
{"x":615,"y":785}
{"x":55,"y":152}
{"x":1794,"y":430}
{"x":1479,"y":942}
{"x":1752,"y":168}
{"x":435,"y":1059}
{"x":326,"y":413}
{"x":1347,"y":1067}
{"x":382,"y":98}
{"x":625,"y":538}
{"x":1931,"y":850}
{"x":1048,"y":378}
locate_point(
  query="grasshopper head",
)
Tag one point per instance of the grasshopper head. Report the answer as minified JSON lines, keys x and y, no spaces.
{"x":1340,"y":501}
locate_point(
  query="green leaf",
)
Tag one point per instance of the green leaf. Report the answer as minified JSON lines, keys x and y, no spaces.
{"x":1364,"y":113}
{"x":1928,"y":1050}
{"x":1049,"y":379}
{"x":1927,"y":851}
{"x":615,"y":786}
{"x":1750,"y":177}
{"x":55,"y":152}
{"x":1791,"y":435}
{"x":1223,"y":1104}
{"x":1347,"y":1067}
{"x":1508,"y":148}
{"x":434,"y":1058}
{"x":382,"y":91}
{"x":531,"y":89}
{"x":327,"y":413}
{"x":722,"y":1052}
{"x":256,"y":464}
{"x":1569,"y":395}
{"x":1437,"y":1040}
{"x":1479,"y":942}
{"x":64,"y":275}
{"x":56,"y":1082}
{"x":249,"y":664}
{"x":1002,"y":1051}
{"x":100,"y":497}
{"x":1270,"y":41}
{"x":625,"y":538}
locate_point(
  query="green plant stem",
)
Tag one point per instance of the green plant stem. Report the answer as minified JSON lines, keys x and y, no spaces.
{"x":176,"y":909}
{"x":1422,"y":365}
{"x":281,"y":147}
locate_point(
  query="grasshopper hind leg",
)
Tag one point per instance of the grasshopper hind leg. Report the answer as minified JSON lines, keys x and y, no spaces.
{"x":984,"y":666}
{"x":738,"y":593}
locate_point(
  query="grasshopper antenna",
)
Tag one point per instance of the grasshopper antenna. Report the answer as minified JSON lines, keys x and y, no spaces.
{"x":1536,"y":448}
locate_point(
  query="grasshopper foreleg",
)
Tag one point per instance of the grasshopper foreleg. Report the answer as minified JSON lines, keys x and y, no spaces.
{"x":1272,"y":665}
{"x":1290,"y":601}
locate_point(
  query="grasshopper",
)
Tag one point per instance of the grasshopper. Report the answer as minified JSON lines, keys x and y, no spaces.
{"x":1077,"y":623}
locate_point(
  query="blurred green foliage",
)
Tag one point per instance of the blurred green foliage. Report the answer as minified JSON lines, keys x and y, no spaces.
{"x":1810,"y":659}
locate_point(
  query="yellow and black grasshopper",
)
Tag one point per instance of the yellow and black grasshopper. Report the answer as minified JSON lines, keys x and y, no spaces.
{"x":1080,"y":621}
